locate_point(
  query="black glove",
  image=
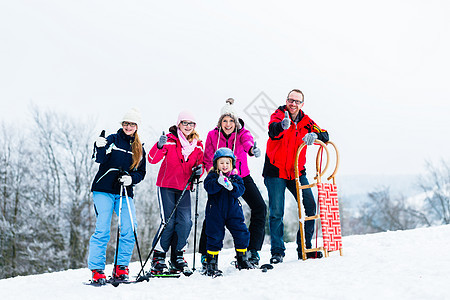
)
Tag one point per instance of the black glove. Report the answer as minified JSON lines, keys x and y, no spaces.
{"x":198,"y":170}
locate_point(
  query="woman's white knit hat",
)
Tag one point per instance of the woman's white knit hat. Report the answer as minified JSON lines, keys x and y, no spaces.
{"x":133,"y":116}
{"x":228,"y":110}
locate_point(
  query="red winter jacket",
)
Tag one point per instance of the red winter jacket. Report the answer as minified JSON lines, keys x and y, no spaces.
{"x":282,"y":145}
{"x":174,"y":171}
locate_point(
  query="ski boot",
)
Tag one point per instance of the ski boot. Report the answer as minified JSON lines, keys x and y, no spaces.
{"x":242,"y":260}
{"x":159,"y":263}
{"x":276,"y":258}
{"x":98,"y":277}
{"x":121,"y":273}
{"x":179,"y":265}
{"x":204,"y":262}
{"x":212,"y":265}
{"x":254,"y":257}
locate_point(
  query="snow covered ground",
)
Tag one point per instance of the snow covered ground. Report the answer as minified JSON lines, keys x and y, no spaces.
{"x":409,"y":264}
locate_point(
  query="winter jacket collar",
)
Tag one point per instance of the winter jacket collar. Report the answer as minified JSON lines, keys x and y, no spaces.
{"x":124,"y":136}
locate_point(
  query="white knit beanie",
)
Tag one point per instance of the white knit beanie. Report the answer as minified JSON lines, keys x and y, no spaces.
{"x":133,"y":116}
{"x":228,"y":110}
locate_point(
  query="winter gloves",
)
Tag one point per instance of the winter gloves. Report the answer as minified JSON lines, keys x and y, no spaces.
{"x":286,"y":121}
{"x":256,"y":151}
{"x":309,"y":138}
{"x":162,"y":140}
{"x":225,"y":182}
{"x":101,"y":140}
{"x":125,"y":180}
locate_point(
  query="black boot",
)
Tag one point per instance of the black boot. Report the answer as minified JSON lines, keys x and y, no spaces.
{"x":204,"y":261}
{"x":254,"y":257}
{"x":177,"y":262}
{"x":212,"y":265}
{"x":242,"y":261}
{"x":159,"y":263}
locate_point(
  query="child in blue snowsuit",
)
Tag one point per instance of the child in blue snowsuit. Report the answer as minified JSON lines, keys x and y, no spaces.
{"x":223,"y":209}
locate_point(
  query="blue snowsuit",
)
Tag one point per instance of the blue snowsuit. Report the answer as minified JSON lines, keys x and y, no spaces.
{"x":223,"y":209}
{"x":115,"y":158}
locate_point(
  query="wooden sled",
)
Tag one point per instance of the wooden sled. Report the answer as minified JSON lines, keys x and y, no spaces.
{"x":328,"y":203}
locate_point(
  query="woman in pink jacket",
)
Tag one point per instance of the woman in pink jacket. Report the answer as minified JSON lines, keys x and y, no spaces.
{"x":230,"y":133}
{"x":182,"y":151}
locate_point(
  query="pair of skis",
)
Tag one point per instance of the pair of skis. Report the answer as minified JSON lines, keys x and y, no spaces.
{"x":116,"y":282}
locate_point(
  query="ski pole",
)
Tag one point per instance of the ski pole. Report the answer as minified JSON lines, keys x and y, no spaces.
{"x":132,"y":225}
{"x":163,"y":225}
{"x":195,"y":224}
{"x":118,"y":231}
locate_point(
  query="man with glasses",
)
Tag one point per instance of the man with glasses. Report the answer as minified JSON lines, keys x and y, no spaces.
{"x":289,"y":127}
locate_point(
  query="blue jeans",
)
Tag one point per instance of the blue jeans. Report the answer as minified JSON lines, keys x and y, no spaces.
{"x":276,"y":188}
{"x":105,"y":204}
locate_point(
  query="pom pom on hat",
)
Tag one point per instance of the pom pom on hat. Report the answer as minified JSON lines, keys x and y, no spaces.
{"x":185,"y":115}
{"x":228,"y":110}
{"x":133,"y":115}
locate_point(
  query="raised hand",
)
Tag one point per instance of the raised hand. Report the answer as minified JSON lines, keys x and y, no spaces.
{"x":309,"y":138}
{"x":101,"y":140}
{"x":223,"y":180}
{"x":162,"y":140}
{"x":286,"y":121}
{"x":256,"y":151}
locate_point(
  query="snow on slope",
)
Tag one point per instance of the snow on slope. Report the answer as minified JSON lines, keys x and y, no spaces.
{"x":392,"y":265}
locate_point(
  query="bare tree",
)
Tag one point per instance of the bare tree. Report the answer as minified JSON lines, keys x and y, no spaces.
{"x":384,"y":212}
{"x":436,"y":185}
{"x":66,"y":150}
{"x":16,"y":182}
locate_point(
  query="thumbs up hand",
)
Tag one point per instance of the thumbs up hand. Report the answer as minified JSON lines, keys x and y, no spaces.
{"x":256,"y":151}
{"x":286,"y":121}
{"x":101,"y":141}
{"x":162,"y":140}
{"x":223,"y":180}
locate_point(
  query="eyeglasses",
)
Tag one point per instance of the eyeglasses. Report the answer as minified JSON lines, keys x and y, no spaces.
{"x":298,"y":102}
{"x":185,"y":123}
{"x":125,"y":124}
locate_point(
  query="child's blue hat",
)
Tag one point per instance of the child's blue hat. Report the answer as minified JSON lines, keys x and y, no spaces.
{"x":224,"y":152}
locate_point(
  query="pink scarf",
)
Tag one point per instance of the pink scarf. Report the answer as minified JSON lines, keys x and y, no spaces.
{"x":186,"y":147}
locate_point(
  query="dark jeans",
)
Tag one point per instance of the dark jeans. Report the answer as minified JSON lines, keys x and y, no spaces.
{"x":180,"y":224}
{"x":276,"y":189}
{"x":258,"y":214}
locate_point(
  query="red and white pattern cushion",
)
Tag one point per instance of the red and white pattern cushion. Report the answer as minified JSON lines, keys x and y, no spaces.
{"x":329,"y":216}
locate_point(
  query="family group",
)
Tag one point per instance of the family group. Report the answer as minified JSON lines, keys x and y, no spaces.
{"x":222,"y":162}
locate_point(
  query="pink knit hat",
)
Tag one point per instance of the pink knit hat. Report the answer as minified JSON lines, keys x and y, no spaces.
{"x":185,"y":115}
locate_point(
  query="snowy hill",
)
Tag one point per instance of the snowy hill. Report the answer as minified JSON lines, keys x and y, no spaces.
{"x":390,"y":265}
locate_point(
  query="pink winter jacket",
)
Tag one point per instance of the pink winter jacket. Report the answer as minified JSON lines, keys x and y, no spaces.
{"x":174,"y":171}
{"x":240,"y":144}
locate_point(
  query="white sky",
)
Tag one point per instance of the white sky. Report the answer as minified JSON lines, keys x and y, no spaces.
{"x":375,"y":74}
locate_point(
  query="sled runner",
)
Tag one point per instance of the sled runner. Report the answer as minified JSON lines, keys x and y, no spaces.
{"x":328,"y":204}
